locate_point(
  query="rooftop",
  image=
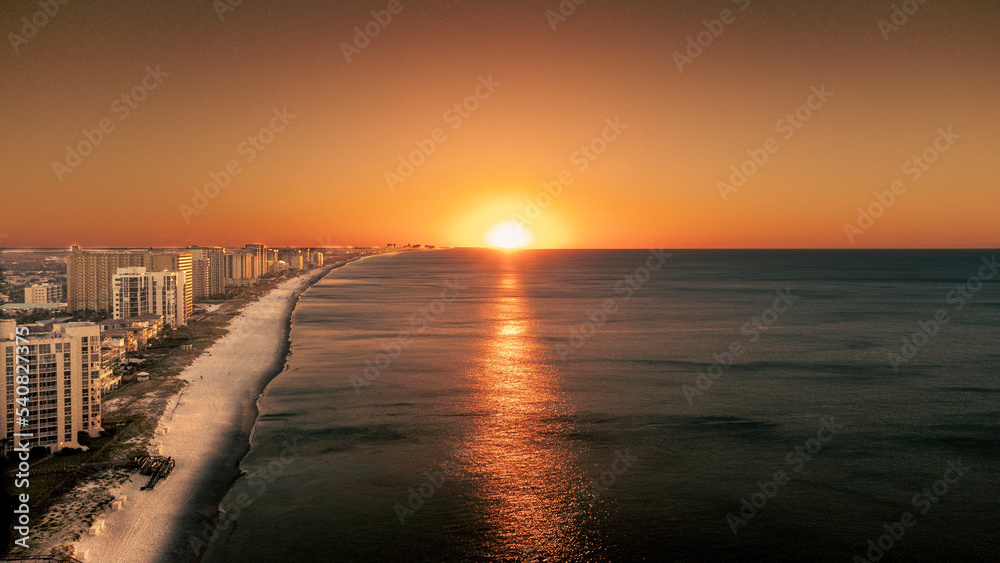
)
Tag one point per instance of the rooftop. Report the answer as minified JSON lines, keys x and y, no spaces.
{"x":30,"y":306}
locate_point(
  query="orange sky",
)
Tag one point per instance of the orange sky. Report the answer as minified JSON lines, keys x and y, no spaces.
{"x":322,"y":179}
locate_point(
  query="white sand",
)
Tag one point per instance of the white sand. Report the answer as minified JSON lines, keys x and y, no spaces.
{"x":196,"y":430}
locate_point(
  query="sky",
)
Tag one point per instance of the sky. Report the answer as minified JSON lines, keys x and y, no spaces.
{"x":598,"y":125}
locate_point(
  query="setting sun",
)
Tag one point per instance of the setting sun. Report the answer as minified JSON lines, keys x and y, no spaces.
{"x":509,"y":234}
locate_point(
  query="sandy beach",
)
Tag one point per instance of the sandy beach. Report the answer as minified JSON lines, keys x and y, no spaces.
{"x":204,"y":429}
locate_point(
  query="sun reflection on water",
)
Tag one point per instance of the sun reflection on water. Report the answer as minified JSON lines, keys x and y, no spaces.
{"x":527,"y":477}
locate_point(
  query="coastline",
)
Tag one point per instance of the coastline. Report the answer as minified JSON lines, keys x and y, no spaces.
{"x":206,"y":429}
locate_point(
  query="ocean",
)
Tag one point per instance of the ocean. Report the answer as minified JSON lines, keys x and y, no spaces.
{"x":631,"y":405}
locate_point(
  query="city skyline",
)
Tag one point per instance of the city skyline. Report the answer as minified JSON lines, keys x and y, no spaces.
{"x":645,"y":115}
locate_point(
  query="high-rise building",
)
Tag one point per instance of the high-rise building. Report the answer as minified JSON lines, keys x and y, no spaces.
{"x":175,"y":262}
{"x":260,"y":258}
{"x":241,"y":267}
{"x":89,"y":274}
{"x":63,"y":383}
{"x":199,"y":278}
{"x":294,"y":257}
{"x":210,"y":275}
{"x":138,"y":292}
{"x":259,"y":252}
{"x":43,"y":293}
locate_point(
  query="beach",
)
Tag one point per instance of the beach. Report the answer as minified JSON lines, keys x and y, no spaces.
{"x":205,"y":430}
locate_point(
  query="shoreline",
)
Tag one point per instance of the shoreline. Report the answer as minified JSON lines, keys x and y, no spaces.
{"x":156,"y":525}
{"x":181,"y":543}
{"x":179,"y":547}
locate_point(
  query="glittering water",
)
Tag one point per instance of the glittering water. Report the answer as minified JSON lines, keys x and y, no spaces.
{"x":471,"y":405}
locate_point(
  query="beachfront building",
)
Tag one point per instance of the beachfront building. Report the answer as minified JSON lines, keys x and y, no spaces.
{"x":241,"y":268}
{"x":208,"y":270}
{"x":43,"y":293}
{"x":316,"y":259}
{"x":259,"y":252}
{"x":175,"y":262}
{"x":295,"y":258}
{"x":64,"y":383}
{"x":143,"y":328}
{"x":90,"y":275}
{"x":199,"y":278}
{"x":118,"y":342}
{"x":138,"y":292}
{"x":115,"y":346}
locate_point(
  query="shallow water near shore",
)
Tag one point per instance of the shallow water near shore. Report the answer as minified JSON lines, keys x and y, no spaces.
{"x":473,"y":405}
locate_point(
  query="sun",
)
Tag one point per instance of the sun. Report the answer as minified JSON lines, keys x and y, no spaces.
{"x":509,"y":235}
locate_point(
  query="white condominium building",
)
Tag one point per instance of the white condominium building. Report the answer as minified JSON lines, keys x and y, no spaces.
{"x":63,"y":384}
{"x":137,"y":292}
{"x":43,"y":293}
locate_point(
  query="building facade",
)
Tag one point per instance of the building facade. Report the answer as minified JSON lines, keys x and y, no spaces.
{"x":210,"y":274}
{"x":175,"y":262}
{"x":295,"y":258}
{"x":199,"y":278}
{"x":143,"y":328}
{"x":43,"y":293}
{"x":242,"y":267}
{"x":64,"y":383}
{"x":259,"y":252}
{"x":90,"y":274}
{"x":138,"y":292}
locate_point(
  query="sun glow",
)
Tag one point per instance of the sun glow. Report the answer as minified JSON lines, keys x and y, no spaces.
{"x":509,"y":235}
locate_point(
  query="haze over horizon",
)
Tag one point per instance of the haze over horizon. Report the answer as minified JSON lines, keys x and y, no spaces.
{"x":339,"y":119}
